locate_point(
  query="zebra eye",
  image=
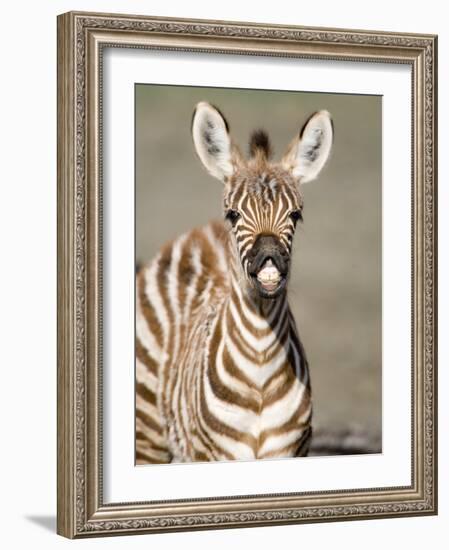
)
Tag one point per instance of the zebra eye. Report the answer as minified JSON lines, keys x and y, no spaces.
{"x":232,"y":216}
{"x":296,"y":215}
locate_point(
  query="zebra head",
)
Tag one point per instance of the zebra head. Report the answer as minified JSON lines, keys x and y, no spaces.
{"x":262,"y":199}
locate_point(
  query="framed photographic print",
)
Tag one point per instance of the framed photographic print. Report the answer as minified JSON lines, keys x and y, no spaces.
{"x":246,"y":274}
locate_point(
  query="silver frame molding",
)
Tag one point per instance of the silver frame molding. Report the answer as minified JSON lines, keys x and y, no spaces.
{"x":81,"y":39}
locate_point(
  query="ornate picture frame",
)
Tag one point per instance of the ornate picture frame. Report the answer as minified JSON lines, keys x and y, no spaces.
{"x":82,"y":40}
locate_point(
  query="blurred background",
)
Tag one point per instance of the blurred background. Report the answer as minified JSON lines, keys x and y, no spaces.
{"x":335,"y":288}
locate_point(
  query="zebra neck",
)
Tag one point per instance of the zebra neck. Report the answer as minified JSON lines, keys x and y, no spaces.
{"x":260,"y":326}
{"x":258,"y":309}
{"x":259,"y":329}
{"x":254,"y":349}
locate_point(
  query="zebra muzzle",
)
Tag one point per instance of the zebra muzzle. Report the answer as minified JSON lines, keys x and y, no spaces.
{"x":268,"y":266}
{"x":269,"y":276}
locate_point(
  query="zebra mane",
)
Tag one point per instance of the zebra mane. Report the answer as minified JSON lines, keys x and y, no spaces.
{"x":259,"y":144}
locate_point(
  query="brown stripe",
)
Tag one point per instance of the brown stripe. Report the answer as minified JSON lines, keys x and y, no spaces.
{"x":147,"y":309}
{"x":174,"y":358}
{"x":281,"y":391}
{"x":281,"y":340}
{"x":143,"y":458}
{"x":297,"y":448}
{"x":243,"y":346}
{"x":148,"y":421}
{"x":279,"y":378}
{"x":245,"y":236}
{"x":258,"y":333}
{"x":303,"y":366}
{"x":208,"y":263}
{"x":201,"y":431}
{"x":140,"y":436}
{"x":287,"y":370}
{"x":207,"y":442}
{"x":201,"y":457}
{"x":237,"y":339}
{"x":237,"y":192}
{"x":182,"y":394}
{"x":292,"y":423}
{"x":186,"y":270}
{"x":215,"y":449}
{"x":289,"y":450}
{"x":145,"y":358}
{"x":220,"y":390}
{"x":146,"y":393}
{"x":219,"y":427}
{"x":161,"y":278}
{"x":233,"y":369}
{"x":262,"y":312}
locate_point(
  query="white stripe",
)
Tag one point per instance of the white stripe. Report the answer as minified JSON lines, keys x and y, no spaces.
{"x":227,"y":379}
{"x":258,"y":344}
{"x":173,"y":373}
{"x":278,"y":442}
{"x":153,"y":296}
{"x":172,"y":287}
{"x":156,"y":455}
{"x":232,"y":415}
{"x":150,"y":434}
{"x":145,"y":376}
{"x":279,"y":412}
{"x":206,"y":293}
{"x":277,"y":309}
{"x":245,"y":241}
{"x":258,"y":374}
{"x":277,"y":217}
{"x":146,"y":407}
{"x":195,"y":258}
{"x":146,"y":338}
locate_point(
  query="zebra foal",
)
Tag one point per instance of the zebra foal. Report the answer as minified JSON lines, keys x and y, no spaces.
{"x":221,"y":373}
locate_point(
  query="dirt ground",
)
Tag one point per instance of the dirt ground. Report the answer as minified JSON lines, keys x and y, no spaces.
{"x":335,"y":288}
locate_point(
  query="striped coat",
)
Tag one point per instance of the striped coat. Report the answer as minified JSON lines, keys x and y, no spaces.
{"x":220,"y":371}
{"x":217,"y":378}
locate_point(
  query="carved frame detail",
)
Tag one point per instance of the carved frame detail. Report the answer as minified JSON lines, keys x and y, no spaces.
{"x":81,"y":39}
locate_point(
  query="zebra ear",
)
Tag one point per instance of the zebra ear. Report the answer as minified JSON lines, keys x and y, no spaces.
{"x":309,"y":152}
{"x":210,"y":133}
